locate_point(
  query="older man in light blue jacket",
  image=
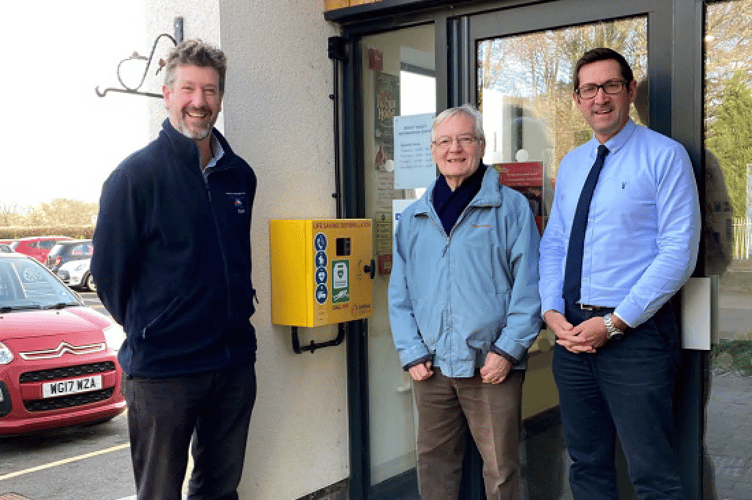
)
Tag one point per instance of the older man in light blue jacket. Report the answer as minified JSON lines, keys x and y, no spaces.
{"x":464,"y":308}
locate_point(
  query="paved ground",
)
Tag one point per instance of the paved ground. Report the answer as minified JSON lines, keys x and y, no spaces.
{"x":729,"y":435}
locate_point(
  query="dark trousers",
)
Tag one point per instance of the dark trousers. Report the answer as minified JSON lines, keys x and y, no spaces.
{"x":446,"y":408}
{"x":624,"y":390}
{"x":164,"y":413}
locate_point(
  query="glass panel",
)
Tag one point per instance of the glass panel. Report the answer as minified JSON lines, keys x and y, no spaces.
{"x":727,"y":238}
{"x":398,"y":80}
{"x":525,"y":94}
{"x":525,"y":91}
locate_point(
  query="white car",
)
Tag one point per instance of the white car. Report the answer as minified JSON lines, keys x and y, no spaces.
{"x":75,"y":274}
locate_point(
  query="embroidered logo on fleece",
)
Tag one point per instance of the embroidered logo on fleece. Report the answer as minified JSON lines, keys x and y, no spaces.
{"x":238,"y":201}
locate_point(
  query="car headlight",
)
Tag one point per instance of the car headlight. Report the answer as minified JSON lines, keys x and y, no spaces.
{"x":81,"y":266}
{"x":114,"y":336}
{"x":5,"y":355}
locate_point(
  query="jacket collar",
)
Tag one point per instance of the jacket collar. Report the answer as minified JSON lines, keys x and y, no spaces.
{"x":488,"y":196}
{"x":186,"y":148}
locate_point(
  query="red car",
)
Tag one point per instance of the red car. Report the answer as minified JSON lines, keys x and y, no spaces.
{"x":58,"y":363}
{"x":37,"y":246}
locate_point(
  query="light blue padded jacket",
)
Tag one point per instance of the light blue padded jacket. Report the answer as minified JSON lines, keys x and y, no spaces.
{"x":453,"y":298}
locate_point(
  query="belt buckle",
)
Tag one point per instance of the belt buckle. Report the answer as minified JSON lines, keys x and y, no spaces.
{"x":586,"y":307}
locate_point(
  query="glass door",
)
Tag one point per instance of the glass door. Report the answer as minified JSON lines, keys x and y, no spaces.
{"x":728,"y":237}
{"x":523,"y":62}
{"x":398,"y":81}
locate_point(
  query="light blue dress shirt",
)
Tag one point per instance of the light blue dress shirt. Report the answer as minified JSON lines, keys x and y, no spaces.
{"x":643,"y":228}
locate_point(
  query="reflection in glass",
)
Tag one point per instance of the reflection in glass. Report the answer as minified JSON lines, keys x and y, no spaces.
{"x":529,"y":77}
{"x":727,"y":235}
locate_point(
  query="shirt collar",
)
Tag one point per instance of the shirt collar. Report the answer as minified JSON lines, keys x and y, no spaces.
{"x":621,"y":138}
{"x":218,"y":153}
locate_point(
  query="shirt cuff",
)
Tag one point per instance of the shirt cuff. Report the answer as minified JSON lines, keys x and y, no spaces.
{"x":625,"y":321}
{"x":556,"y":304}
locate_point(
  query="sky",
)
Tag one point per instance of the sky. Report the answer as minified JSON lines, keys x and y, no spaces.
{"x":60,"y":140}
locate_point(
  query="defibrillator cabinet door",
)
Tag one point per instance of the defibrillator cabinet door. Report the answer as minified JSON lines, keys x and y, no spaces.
{"x":322,"y":271}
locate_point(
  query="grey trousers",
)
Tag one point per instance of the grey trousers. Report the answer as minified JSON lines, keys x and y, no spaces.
{"x":163,"y":414}
{"x":446,"y":408}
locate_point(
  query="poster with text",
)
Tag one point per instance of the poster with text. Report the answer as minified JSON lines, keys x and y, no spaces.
{"x":413,"y":164}
{"x":386,"y":107}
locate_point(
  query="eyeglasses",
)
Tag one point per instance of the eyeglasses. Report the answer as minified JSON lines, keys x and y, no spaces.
{"x":610,"y":87}
{"x":463,"y":140}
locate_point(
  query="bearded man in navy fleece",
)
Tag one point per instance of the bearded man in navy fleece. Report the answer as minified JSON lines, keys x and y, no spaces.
{"x":173,"y":266}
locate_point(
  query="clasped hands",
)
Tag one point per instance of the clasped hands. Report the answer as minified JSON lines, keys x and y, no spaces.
{"x":587,"y":337}
{"x":494,"y":370}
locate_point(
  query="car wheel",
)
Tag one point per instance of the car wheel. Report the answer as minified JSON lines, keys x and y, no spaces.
{"x":90,"y":285}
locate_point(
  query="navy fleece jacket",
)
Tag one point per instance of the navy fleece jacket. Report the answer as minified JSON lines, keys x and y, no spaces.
{"x":172,"y":258}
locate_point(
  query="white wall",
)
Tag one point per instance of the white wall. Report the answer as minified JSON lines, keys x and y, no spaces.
{"x":278,"y":116}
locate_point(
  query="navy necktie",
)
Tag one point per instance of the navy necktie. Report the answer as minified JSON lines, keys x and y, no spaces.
{"x":573,"y":269}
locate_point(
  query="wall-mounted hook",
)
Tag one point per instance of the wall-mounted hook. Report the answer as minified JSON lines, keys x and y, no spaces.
{"x":178,"y":26}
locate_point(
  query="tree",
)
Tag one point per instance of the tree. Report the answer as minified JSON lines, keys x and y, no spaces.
{"x":728,"y":47}
{"x":729,"y":137}
{"x":58,"y":212}
{"x":9,"y":215}
{"x":534,"y":72}
{"x":65,"y":212}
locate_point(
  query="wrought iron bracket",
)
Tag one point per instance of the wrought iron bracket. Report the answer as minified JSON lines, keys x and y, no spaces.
{"x":178,"y":26}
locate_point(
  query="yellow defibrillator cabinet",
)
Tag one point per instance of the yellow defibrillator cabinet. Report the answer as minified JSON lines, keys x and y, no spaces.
{"x":322,"y":271}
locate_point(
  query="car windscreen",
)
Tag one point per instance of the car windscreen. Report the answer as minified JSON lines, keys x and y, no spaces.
{"x":25,"y":284}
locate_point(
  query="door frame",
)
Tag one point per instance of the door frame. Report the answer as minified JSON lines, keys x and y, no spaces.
{"x":675,"y":71}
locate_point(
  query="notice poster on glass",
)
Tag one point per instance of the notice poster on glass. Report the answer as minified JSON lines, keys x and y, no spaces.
{"x":386,"y":105}
{"x":527,"y":178}
{"x":413,"y":164}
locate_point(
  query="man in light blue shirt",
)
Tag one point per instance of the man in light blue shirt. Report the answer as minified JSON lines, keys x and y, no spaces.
{"x":606,"y":297}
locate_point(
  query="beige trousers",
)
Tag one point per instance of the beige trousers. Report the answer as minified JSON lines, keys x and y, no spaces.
{"x":446,"y":407}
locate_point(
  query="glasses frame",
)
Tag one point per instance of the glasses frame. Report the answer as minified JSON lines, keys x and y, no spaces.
{"x":623,"y":85}
{"x":458,"y":139}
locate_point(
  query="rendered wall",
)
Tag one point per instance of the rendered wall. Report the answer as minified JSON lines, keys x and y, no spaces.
{"x":278,"y":116}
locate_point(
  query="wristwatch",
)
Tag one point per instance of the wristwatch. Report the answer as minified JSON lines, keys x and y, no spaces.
{"x":613,"y":332}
